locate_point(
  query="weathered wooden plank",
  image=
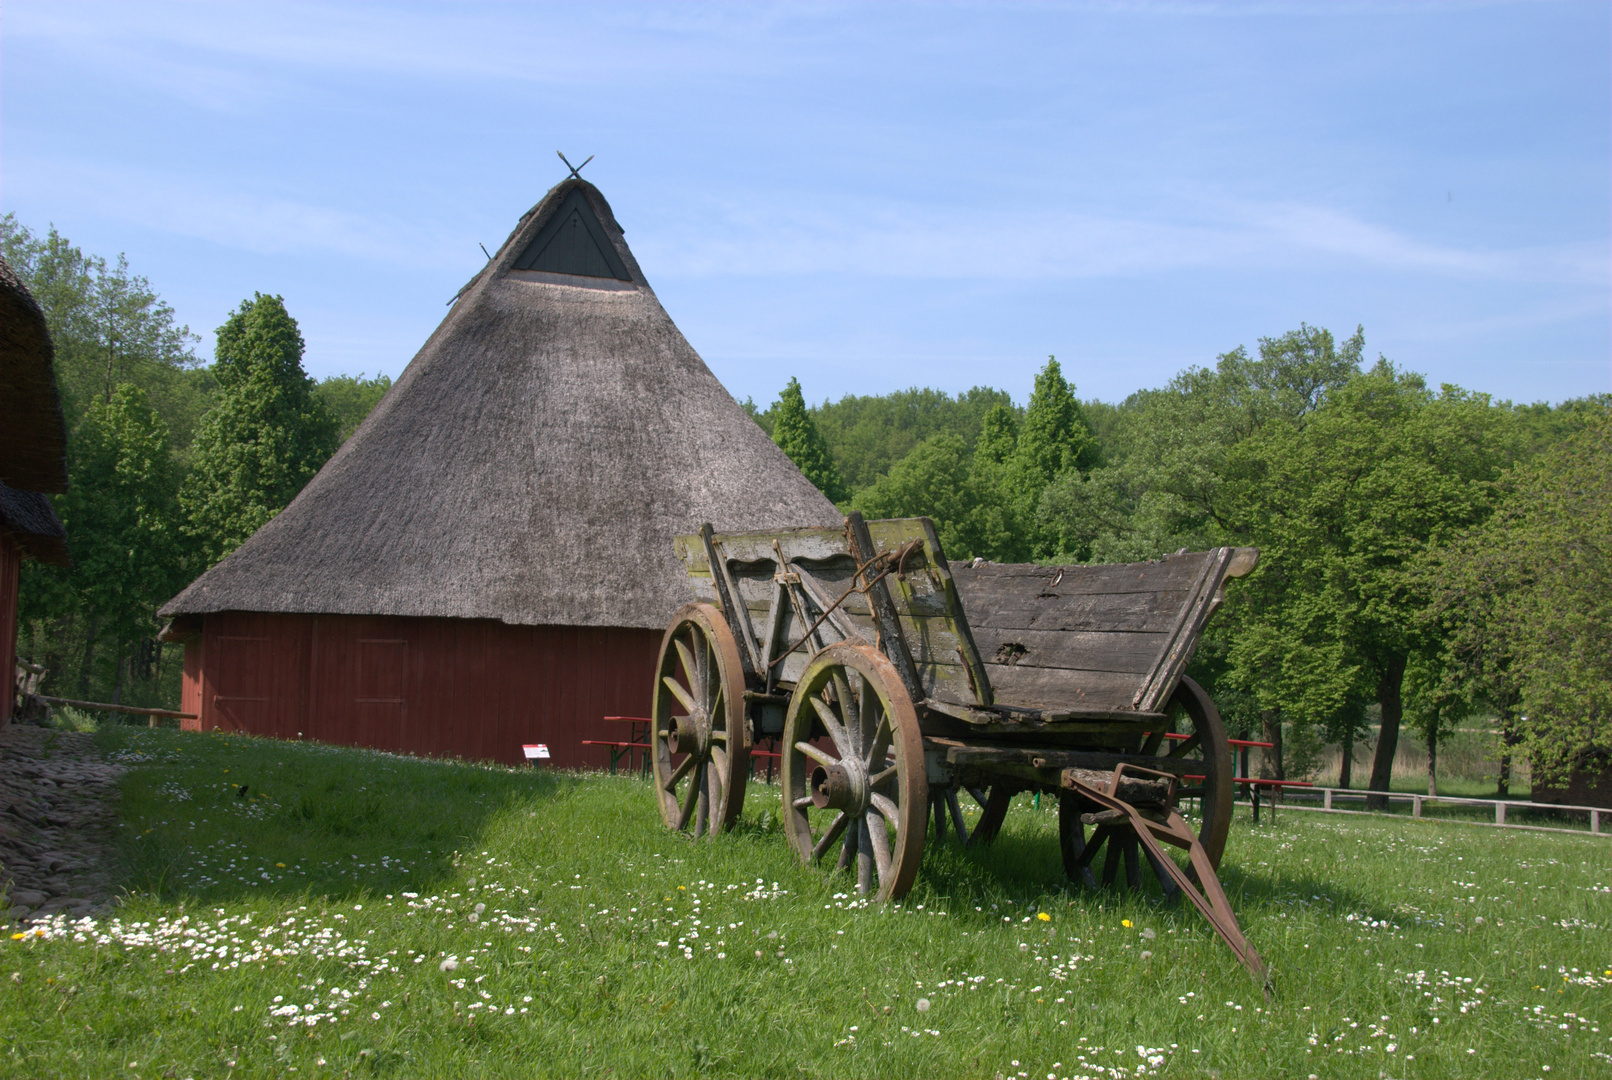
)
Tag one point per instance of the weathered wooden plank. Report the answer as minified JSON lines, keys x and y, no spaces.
{"x":796,"y":543}
{"x":1051,"y":688}
{"x":1184,"y":636}
{"x":1134,"y":612}
{"x":1070,"y":759}
{"x":1172,"y":572}
{"x":1082,"y":650}
{"x":884,"y":609}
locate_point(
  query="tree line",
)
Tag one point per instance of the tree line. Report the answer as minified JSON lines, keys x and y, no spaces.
{"x":172,"y":462}
{"x":1427,"y":554}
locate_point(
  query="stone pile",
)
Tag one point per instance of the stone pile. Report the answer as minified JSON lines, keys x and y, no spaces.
{"x":57,"y":800}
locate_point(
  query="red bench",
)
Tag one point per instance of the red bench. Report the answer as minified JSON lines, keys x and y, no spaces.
{"x":1252,"y":783}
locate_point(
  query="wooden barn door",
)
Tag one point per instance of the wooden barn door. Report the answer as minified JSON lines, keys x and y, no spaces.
{"x":360,"y":680}
{"x":243,"y":682}
{"x":381,"y":708}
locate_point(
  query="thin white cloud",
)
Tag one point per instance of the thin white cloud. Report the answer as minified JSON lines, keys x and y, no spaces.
{"x":796,"y":237}
{"x":227,"y":56}
{"x":260,"y":222}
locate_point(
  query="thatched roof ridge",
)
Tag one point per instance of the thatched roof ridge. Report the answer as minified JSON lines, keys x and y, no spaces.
{"x":33,"y":438}
{"x":531,"y":465}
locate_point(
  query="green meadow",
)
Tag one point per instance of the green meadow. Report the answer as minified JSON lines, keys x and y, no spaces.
{"x":302,"y":911}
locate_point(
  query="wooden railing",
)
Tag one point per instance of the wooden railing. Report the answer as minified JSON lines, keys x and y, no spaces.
{"x":1329,"y":796}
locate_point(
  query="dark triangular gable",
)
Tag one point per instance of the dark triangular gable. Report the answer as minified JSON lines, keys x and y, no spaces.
{"x":573,"y":242}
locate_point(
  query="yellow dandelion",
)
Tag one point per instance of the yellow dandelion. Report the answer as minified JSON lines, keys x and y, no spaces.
{"x":682,"y":888}
{"x":1126,"y":923}
{"x":18,"y":937}
{"x":281,"y":865}
{"x":1044,"y":917}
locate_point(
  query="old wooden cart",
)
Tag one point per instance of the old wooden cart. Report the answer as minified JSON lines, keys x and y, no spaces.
{"x":851,"y":647}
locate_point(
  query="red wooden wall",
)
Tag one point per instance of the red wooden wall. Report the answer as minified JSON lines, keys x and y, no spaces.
{"x":10,"y":567}
{"x":465,"y":688}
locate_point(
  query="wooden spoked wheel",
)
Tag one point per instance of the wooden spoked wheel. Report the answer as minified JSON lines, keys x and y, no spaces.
{"x":853,"y":770}
{"x":700,"y":737}
{"x":1207,"y":749}
{"x":1193,"y":736}
{"x":997,"y":800}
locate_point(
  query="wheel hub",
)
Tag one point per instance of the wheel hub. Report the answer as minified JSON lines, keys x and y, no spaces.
{"x":690,"y":734}
{"x":843,"y":786}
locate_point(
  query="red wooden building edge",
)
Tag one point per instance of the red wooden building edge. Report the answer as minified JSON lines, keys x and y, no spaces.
{"x":465,"y":688}
{"x":10,"y":568}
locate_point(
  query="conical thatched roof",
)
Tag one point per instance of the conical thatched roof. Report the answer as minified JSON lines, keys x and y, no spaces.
{"x":533,"y":462}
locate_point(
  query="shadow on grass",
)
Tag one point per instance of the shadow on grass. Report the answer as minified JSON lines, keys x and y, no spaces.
{"x":1024,"y":866}
{"x":216,"y":817}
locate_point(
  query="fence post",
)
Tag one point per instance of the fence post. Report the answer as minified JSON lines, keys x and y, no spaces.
{"x":1416,"y":806}
{"x":1595,"y":821}
{"x":1326,"y":799}
{"x":1499,"y":813}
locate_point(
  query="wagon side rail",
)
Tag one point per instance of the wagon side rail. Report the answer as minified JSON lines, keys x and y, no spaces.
{"x":792,"y":592}
{"x":1082,"y":642}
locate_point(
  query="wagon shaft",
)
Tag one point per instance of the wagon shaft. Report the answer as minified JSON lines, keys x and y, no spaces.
{"x":1204,"y":892}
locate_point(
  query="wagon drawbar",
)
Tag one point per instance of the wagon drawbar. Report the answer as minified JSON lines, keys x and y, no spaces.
{"x":895,"y":682}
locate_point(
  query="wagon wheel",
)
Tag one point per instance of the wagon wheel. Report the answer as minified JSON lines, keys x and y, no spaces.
{"x":1206,"y":750}
{"x":997,"y":800}
{"x":867,"y":793}
{"x":701,"y":739}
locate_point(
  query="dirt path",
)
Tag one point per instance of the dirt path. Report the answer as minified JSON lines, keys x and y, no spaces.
{"x":57,"y":804}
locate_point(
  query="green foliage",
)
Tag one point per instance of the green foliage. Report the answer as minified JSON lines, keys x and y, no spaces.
{"x":265,"y":438}
{"x":867,"y":435}
{"x":797,"y":435}
{"x":934,"y":480}
{"x":1342,"y":507}
{"x":1526,"y":601}
{"x":132,"y":394}
{"x":1054,"y":438}
{"x":1053,"y":441}
{"x":985,"y":502}
{"x":109,"y":328}
{"x":349,"y":399}
{"x":122,"y":522}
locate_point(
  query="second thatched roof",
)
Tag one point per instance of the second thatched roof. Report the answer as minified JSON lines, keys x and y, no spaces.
{"x":533,"y":462}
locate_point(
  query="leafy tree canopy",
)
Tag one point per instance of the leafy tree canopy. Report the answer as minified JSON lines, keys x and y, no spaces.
{"x":266,"y":436}
{"x":122,"y":529}
{"x":796,"y":435}
{"x":349,"y":398}
{"x":109,"y":328}
{"x":1526,"y":600}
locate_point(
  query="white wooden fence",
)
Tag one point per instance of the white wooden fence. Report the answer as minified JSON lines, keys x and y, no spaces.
{"x":1329,"y":796}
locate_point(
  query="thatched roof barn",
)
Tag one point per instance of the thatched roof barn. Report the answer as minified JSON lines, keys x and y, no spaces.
{"x":528,"y":470}
{"x":33,"y":457}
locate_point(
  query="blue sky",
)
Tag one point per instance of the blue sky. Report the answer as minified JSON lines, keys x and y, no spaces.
{"x":868,"y":196}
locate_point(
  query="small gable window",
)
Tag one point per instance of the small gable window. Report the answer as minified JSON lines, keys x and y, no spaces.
{"x":573,"y":242}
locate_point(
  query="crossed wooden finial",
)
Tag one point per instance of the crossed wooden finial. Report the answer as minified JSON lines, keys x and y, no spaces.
{"x":576,"y":170}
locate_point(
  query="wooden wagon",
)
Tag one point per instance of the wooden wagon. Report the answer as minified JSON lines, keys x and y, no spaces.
{"x":893,"y":682}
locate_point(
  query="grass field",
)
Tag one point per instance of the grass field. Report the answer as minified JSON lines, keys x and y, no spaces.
{"x":361,"y":914}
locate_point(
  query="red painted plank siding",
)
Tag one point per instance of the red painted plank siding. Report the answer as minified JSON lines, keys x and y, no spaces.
{"x":190,"y":685}
{"x":463,"y":688}
{"x":10,"y":568}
